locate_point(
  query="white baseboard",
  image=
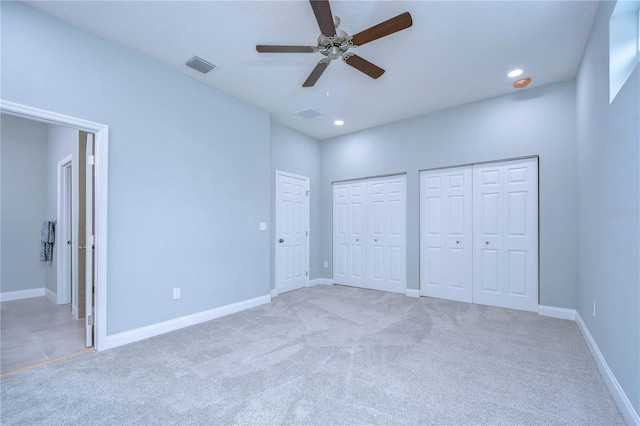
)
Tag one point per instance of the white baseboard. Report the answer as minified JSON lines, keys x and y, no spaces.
{"x":622,"y":401}
{"x":410,"y":292}
{"x":320,"y":281}
{"x":21,"y":294}
{"x":274,"y":292}
{"x":51,"y":295}
{"x":141,"y":333}
{"x":553,"y":312}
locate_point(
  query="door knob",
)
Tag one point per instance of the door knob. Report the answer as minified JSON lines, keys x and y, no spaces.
{"x":357,"y":239}
{"x":457,"y":242}
{"x":486,"y":242}
{"x":281,"y":240}
{"x":375,"y":239}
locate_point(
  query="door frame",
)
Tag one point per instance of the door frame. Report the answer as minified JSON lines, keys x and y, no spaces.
{"x":65,"y":217}
{"x":276,"y":290}
{"x":101,"y":132}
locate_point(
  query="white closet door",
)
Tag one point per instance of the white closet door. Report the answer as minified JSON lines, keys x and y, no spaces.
{"x":349,"y":201}
{"x":505,"y":232}
{"x":369,"y":233}
{"x":446,"y":234}
{"x":387,"y":213}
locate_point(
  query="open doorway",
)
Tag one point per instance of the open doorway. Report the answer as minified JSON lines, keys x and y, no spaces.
{"x":62,"y":287}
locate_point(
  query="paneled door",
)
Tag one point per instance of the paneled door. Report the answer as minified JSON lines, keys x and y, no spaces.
{"x":387,"y":210}
{"x":369,"y":233}
{"x":349,"y":201}
{"x":292,"y":232}
{"x":505,"y":228}
{"x":446,"y":234}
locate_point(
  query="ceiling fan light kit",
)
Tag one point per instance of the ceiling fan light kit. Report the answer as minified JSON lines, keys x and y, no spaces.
{"x":335,"y":43}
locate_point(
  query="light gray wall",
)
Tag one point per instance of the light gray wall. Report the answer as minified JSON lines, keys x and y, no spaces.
{"x":24,"y":203}
{"x":61,"y":142}
{"x":538,"y":121}
{"x":189,"y":168}
{"x":295,"y":152}
{"x":609,"y":193}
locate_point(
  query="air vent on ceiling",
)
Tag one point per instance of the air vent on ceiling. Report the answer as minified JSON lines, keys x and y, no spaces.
{"x":199,"y":64}
{"x":309,"y":113}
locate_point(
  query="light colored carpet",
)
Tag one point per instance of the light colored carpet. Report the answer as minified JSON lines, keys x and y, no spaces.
{"x":330,"y":355}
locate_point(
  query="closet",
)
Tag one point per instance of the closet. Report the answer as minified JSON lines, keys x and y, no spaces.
{"x":479,"y":234}
{"x":369,"y":233}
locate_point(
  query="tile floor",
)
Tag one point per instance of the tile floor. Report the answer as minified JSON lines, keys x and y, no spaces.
{"x":36,"y":330}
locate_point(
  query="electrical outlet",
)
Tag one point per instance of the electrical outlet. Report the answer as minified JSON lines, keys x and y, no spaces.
{"x":326,"y":264}
{"x":594,"y":309}
{"x":176,"y":293}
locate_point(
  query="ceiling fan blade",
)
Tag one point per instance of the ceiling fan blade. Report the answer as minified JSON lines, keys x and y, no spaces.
{"x":363,"y":65}
{"x":316,"y":73}
{"x":385,"y":28}
{"x":267,"y":48}
{"x":322,"y":10}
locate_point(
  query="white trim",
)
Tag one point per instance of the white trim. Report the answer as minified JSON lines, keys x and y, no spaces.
{"x":63,"y":295}
{"x":622,"y":401}
{"x":141,"y":333}
{"x":51,"y":296}
{"x":274,"y":292}
{"x":320,"y":281}
{"x":101,"y":132}
{"x":553,"y":312}
{"x":410,"y":292}
{"x":74,"y":311}
{"x":21,"y":294}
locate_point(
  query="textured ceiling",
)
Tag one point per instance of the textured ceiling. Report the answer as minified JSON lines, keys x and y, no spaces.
{"x":456,"y":52}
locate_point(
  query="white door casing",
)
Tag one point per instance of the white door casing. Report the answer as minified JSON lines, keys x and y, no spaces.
{"x":90,"y":243}
{"x":64,"y":229}
{"x":446,"y":234}
{"x":369,"y":233}
{"x":505,"y":234}
{"x":292,"y":232}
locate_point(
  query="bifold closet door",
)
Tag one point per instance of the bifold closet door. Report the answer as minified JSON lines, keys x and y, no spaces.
{"x":505,"y":233}
{"x":369,"y":233}
{"x":446,"y":234}
{"x":386,"y":213}
{"x":348,"y":234}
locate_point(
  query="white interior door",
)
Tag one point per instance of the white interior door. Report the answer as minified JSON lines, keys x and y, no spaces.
{"x":90,"y":243}
{"x":348,"y":233}
{"x":387,"y":213}
{"x":505,"y":223}
{"x":292,"y":232}
{"x":369,"y":233}
{"x":446,"y":234}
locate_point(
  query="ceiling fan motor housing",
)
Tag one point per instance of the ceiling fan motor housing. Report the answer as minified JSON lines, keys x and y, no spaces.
{"x":336,"y":46}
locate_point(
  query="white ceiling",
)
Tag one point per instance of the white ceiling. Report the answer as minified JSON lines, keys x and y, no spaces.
{"x":456,"y":52}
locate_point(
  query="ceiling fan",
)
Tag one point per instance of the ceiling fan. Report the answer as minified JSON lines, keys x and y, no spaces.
{"x":335,"y":43}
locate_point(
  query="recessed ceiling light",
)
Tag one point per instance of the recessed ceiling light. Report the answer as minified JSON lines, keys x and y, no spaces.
{"x":515,"y":73}
{"x":338,"y":122}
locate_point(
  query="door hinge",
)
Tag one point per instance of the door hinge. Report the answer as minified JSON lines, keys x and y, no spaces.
{"x":306,"y":273}
{"x":307,"y":193}
{"x":91,"y":160}
{"x":306,"y":233}
{"x":90,"y":320}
